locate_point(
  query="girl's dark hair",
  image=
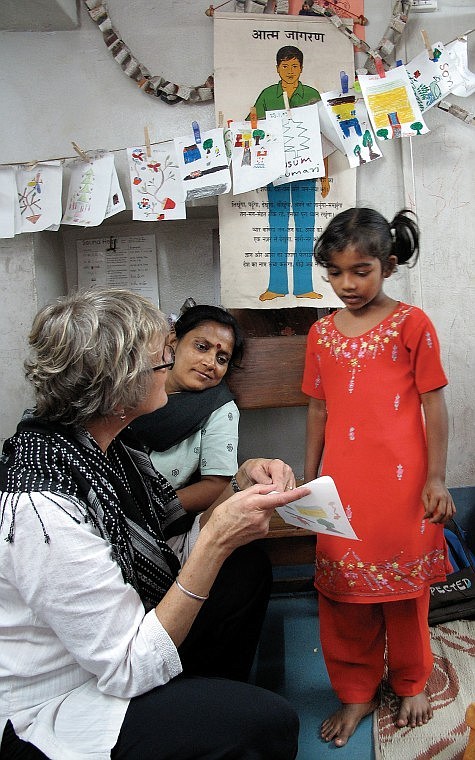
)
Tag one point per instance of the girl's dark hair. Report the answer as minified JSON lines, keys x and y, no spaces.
{"x":369,"y":232}
{"x":196,"y":315}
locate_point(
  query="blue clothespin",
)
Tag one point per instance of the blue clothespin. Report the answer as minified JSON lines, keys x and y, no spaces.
{"x":196,"y":132}
{"x":399,"y":62}
{"x":344,"y":82}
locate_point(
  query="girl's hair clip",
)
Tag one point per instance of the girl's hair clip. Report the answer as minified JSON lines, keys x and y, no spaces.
{"x":393,"y":233}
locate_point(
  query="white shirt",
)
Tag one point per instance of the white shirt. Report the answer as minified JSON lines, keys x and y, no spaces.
{"x":75,"y":642}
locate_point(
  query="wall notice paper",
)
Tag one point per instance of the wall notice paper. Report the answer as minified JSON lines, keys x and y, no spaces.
{"x":267,"y":235}
{"x":121,"y":262}
{"x":321,"y":511}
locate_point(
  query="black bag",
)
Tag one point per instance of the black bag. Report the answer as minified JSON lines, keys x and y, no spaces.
{"x":454,"y":599}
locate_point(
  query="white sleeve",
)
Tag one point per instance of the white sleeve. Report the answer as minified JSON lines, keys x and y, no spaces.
{"x":75,"y":588}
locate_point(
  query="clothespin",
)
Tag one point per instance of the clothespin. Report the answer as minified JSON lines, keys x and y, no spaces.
{"x":253,"y":116}
{"x":429,"y":48}
{"x":287,"y":104}
{"x":344,"y":82}
{"x":378,"y":62}
{"x":196,"y":132}
{"x":399,"y":62}
{"x":81,"y":153}
{"x":148,"y":148}
{"x":220,"y":119}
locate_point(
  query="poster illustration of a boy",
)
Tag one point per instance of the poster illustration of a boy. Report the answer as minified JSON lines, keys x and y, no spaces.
{"x":300,"y":194}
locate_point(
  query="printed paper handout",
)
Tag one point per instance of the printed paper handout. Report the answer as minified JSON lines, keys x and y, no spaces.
{"x":321,"y":511}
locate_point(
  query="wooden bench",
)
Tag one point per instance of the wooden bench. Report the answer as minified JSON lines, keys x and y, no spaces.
{"x":271,"y":377}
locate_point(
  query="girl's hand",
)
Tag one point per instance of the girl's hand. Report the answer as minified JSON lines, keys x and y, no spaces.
{"x":438,"y":502}
{"x":266,"y":471}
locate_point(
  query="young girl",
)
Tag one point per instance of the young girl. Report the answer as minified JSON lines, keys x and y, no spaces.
{"x":369,"y":368}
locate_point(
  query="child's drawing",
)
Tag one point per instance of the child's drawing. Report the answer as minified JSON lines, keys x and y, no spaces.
{"x":203,"y":166}
{"x":321,"y":511}
{"x":392,"y":105}
{"x":157,"y":191}
{"x":351,"y":124}
{"x":302,"y":143}
{"x":89,"y":189}
{"x":257,"y":154}
{"x":39,"y":196}
{"x":432,"y":78}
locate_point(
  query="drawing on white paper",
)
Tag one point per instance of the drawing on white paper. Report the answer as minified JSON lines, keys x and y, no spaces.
{"x":203,"y":166}
{"x":257,"y":154}
{"x":392,"y":105}
{"x":351,"y":126}
{"x":157,"y":191}
{"x":321,"y":511}
{"x":302,"y":143}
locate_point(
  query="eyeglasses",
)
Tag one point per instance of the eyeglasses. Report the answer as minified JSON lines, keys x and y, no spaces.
{"x":168,"y":359}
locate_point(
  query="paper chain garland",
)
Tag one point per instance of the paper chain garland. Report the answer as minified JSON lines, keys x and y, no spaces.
{"x":383,"y":55}
{"x":156,"y":86}
{"x":173,"y":93}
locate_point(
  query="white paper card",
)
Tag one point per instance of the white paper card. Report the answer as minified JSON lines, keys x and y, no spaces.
{"x":321,"y":511}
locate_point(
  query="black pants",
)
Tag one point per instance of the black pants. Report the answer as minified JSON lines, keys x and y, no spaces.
{"x":208,"y":711}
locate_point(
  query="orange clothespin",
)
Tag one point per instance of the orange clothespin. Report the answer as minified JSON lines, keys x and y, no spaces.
{"x":148,"y":148}
{"x":429,"y":47}
{"x":253,"y":115}
{"x":378,"y":62}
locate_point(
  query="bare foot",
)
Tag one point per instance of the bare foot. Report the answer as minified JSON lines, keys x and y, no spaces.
{"x":269,"y":295}
{"x":342,"y":724}
{"x":310,"y":294}
{"x":414,"y":711}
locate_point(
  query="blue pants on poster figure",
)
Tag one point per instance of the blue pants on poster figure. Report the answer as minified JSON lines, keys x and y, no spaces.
{"x":301,"y":195}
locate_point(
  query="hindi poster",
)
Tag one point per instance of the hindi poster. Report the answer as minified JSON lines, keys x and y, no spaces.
{"x":267,"y":235}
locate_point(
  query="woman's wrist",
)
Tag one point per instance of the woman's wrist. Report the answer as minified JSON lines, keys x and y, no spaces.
{"x":241,"y":480}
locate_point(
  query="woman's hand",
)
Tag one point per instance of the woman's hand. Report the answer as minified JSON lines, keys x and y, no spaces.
{"x":266,"y":471}
{"x":246,"y":515}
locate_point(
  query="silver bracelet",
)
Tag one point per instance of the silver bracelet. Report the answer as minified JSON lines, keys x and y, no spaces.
{"x":190,"y":593}
{"x":235,"y":485}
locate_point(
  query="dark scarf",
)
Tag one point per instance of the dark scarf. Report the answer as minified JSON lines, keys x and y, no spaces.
{"x":182,"y":416}
{"x":129,"y":503}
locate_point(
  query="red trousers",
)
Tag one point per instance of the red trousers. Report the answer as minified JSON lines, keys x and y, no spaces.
{"x":357,"y":640}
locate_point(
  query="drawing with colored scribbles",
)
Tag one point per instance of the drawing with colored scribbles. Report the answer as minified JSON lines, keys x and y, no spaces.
{"x":321,"y":511}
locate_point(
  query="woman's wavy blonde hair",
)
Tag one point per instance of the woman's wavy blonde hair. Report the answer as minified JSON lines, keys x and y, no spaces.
{"x":91,"y":354}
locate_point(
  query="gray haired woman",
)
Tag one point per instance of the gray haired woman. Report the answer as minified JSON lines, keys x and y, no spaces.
{"x":113,"y":645}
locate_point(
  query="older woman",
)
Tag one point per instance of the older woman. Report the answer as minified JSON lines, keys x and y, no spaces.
{"x":193,"y":440}
{"x":111,"y":644}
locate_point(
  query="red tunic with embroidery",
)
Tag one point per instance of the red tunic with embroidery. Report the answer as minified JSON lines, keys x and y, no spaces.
{"x":375,"y":451}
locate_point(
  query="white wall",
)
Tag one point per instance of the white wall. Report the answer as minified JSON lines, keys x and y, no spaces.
{"x":58,"y":87}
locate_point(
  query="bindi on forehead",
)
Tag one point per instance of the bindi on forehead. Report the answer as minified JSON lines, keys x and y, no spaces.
{"x":218,"y":345}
